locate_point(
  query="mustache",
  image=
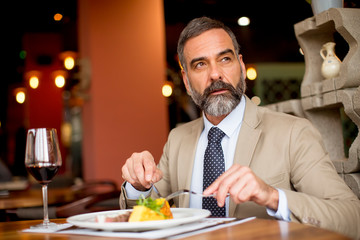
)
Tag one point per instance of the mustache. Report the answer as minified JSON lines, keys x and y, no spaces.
{"x":218,"y":85}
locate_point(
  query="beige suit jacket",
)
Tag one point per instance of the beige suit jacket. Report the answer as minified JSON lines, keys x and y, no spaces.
{"x":287,"y":153}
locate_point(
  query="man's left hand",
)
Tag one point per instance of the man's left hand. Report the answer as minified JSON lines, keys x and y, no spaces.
{"x":243,"y":185}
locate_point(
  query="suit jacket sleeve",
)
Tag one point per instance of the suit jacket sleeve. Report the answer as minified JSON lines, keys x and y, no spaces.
{"x":321,"y":198}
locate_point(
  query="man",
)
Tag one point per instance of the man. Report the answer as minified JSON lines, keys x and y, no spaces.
{"x":275,"y":164}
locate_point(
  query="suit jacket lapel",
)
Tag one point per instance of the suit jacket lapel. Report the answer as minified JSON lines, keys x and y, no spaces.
{"x":247,"y":140}
{"x":186,"y":160}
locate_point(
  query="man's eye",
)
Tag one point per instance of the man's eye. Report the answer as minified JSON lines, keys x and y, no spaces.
{"x":225,"y":59}
{"x":199,"y":65}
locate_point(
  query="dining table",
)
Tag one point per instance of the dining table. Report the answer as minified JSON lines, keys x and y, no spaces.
{"x":253,"y":229}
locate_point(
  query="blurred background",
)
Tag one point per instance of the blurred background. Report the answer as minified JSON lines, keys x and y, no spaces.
{"x":105,"y":73}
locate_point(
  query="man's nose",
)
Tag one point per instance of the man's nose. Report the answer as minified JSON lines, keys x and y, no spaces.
{"x":215,"y":73}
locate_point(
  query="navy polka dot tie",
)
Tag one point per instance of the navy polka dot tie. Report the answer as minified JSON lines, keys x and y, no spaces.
{"x":214,"y":166}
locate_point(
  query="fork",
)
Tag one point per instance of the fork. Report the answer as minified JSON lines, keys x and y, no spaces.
{"x":181,"y":192}
{"x":186,"y":191}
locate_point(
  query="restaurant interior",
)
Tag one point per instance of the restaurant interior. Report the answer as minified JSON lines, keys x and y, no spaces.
{"x":105,"y":75}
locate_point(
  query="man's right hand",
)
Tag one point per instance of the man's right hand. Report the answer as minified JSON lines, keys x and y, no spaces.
{"x":141,"y":171}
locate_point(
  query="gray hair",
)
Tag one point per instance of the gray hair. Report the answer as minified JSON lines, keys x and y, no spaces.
{"x":196,"y":27}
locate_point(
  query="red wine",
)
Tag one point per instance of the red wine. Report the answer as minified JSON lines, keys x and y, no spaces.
{"x":43,"y":174}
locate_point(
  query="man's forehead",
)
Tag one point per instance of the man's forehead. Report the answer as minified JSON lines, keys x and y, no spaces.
{"x":212,"y":40}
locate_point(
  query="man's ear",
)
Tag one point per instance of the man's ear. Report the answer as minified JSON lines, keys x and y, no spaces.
{"x":186,"y":81}
{"x":242,"y":65}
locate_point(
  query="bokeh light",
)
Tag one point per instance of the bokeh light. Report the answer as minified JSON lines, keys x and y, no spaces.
{"x":20,"y":96}
{"x":58,"y":17}
{"x":22,"y":54}
{"x":244,"y":21}
{"x":69,"y":63}
{"x":167,"y":90}
{"x":251,"y":73}
{"x":256,"y":100}
{"x":34,"y":82}
{"x":60,"y":81}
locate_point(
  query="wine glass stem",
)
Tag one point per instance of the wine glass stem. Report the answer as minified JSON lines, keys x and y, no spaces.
{"x":45,"y":204}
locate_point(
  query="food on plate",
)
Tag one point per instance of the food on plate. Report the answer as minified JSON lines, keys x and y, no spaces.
{"x":148,"y":209}
{"x":122,"y":217}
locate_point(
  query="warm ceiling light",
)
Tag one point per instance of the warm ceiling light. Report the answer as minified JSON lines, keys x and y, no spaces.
{"x":60,"y":81}
{"x":69,"y":63}
{"x":32,"y":77}
{"x":20,"y":95}
{"x":167,"y":90}
{"x":58,"y":17}
{"x":68,"y":59}
{"x":251,"y":73}
{"x":59,"y":76}
{"x":244,"y":21}
{"x":34,"y":82}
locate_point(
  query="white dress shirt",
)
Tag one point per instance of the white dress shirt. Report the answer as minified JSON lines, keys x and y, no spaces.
{"x":231,"y":127}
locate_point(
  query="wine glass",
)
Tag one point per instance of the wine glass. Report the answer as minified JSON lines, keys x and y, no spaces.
{"x":43,"y":160}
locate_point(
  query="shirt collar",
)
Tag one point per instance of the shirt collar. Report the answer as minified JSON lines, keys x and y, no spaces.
{"x":231,"y":122}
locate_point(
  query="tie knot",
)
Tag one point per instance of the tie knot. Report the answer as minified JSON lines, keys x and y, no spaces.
{"x":215,"y":134}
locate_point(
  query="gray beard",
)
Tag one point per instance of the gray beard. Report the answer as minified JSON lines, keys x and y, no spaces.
{"x":221,"y":104}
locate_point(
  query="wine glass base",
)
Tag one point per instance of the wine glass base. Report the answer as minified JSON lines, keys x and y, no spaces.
{"x":49,"y":226}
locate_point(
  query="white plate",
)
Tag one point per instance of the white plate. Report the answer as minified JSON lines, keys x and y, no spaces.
{"x":181,"y":216}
